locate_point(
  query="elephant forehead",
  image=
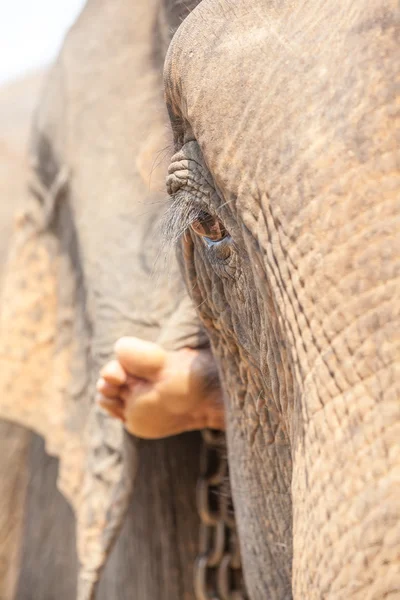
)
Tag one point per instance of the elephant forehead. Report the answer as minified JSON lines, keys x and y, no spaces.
{"x":265,"y":85}
{"x":211,"y":57}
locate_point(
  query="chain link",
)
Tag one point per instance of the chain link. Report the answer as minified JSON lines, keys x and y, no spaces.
{"x":218,"y":572}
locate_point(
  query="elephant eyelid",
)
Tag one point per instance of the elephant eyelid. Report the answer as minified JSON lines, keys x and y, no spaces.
{"x":183,"y":211}
{"x":191,"y":188}
{"x":189,"y":174}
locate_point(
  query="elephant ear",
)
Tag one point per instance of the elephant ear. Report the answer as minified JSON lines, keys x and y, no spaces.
{"x":34,"y":367}
{"x":44,"y":371}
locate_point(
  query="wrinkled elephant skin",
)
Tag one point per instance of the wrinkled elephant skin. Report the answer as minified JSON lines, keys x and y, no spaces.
{"x":286,"y":142}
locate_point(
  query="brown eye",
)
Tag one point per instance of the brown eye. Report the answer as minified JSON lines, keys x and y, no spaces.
{"x":209,"y":227}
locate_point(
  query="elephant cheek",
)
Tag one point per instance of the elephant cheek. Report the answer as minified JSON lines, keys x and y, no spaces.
{"x":260,"y":469}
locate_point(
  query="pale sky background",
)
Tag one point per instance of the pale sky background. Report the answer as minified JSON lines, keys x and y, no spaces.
{"x":31,"y":32}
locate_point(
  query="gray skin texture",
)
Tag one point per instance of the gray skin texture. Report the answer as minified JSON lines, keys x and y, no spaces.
{"x":17,"y":100}
{"x":288,"y":138}
{"x":101,"y":130}
{"x":33,"y":513}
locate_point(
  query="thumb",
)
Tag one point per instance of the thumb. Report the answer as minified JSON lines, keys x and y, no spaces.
{"x":140,"y":358}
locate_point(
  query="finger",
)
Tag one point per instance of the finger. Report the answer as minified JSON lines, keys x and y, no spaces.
{"x":114,"y":407}
{"x":113,"y":373}
{"x":134,"y":389}
{"x":107,"y":389}
{"x":140,"y":358}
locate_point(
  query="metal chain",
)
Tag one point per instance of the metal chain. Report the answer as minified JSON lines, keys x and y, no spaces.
{"x":218,"y":572}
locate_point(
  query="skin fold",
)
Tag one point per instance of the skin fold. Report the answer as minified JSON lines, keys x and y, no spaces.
{"x":285,"y":183}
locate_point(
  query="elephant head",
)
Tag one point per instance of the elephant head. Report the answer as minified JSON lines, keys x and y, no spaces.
{"x":284,"y":185}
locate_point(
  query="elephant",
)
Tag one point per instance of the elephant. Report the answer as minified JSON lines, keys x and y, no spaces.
{"x":285,"y":187}
{"x":33,"y":513}
{"x":18,"y":446}
{"x":283,"y":181}
{"x":85,"y":267}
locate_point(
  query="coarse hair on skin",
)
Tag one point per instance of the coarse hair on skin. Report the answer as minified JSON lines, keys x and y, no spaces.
{"x":176,"y":11}
{"x":181,"y":8}
{"x":179,"y":217}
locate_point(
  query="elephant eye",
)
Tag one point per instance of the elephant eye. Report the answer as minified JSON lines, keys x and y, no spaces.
{"x":209,"y":227}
